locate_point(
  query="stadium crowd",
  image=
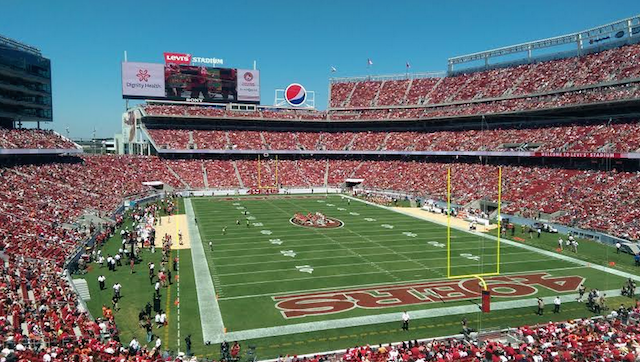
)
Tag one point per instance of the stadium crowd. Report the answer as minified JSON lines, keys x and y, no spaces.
{"x":602,"y":137}
{"x":33,"y":139}
{"x":504,"y":105}
{"x":575,"y":340}
{"x":611,"y":65}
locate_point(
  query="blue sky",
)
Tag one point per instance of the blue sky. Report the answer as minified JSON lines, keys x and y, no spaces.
{"x":292,"y":41}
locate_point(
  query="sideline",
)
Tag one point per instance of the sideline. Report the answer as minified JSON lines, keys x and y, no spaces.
{"x":210,"y":316}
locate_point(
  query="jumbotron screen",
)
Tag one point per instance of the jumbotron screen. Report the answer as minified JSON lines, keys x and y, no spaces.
{"x":189,"y":83}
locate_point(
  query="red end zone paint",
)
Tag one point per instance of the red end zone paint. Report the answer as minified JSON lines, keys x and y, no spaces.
{"x":507,"y":286}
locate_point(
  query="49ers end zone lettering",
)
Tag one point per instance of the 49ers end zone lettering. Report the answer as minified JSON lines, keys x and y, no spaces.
{"x":387,"y":296}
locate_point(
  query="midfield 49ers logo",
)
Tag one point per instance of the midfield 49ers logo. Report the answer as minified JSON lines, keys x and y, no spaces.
{"x":507,"y":286}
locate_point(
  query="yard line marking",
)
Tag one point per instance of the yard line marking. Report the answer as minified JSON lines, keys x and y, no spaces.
{"x":367,"y":273}
{"x":354,"y":264}
{"x":344,"y":256}
{"x":321,"y":237}
{"x":367,"y":230}
{"x":400,"y":285}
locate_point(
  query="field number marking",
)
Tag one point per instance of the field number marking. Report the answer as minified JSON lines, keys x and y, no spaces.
{"x":290,"y":253}
{"x":304,"y":268}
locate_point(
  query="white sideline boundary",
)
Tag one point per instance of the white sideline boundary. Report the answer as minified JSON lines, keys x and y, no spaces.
{"x":210,"y":316}
{"x":426,"y":313}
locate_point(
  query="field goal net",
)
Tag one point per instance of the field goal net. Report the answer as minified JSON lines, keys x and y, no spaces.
{"x":479,"y":256}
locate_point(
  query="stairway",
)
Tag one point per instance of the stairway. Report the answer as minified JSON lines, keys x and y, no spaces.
{"x":178,"y":177}
{"x":383,"y":145}
{"x":264,"y":142}
{"x":406,"y":92}
{"x":350,"y":144}
{"x":204,"y":174}
{"x":192,"y":144}
{"x":428,"y":95}
{"x":82,"y":288}
{"x":235,"y":167}
{"x":348,"y":100}
{"x":226,"y":136}
{"x":374,"y":102}
{"x":326,"y":174}
{"x":356,"y":169}
{"x":515,"y":84}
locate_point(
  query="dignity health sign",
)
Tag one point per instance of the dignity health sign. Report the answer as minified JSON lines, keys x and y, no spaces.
{"x":142,"y":80}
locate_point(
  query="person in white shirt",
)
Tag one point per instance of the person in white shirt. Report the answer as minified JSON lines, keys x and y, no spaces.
{"x":101,"y":280}
{"x":116,"y":290}
{"x":618,"y":246}
{"x":560,"y":244}
{"x":158,"y":343}
{"x":163,"y":318}
{"x":405,"y":321}
{"x":157,"y":319}
{"x":134,"y":345}
{"x":556,"y":305}
{"x":157,"y":288}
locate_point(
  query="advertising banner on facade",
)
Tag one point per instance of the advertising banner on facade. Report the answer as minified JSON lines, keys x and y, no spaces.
{"x":248,"y":85}
{"x":142,"y":80}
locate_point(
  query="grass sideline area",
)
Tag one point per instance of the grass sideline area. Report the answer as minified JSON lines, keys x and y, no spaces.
{"x":248,"y":270}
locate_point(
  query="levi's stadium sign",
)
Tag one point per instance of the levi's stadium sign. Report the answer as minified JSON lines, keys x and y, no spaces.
{"x":177,"y":58}
{"x":188,"y":59}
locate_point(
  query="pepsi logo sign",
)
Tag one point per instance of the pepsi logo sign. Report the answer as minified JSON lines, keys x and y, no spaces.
{"x":295,"y":94}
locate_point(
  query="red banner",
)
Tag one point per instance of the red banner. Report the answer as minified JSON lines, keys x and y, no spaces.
{"x":177,"y":58}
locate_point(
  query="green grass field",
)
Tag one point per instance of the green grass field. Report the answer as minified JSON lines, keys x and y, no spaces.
{"x":378,"y":263}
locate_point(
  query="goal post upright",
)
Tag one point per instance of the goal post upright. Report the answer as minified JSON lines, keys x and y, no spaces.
{"x":449,"y":222}
{"x":260,"y":186}
{"x":499,"y":219}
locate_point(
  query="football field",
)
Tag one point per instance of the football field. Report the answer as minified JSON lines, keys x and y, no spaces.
{"x":273,"y":277}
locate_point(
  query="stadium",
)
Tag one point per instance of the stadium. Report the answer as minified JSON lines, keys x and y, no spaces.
{"x":489,"y":212}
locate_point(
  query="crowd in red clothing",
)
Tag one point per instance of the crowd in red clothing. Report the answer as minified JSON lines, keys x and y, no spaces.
{"x":33,"y":139}
{"x":607,"y":66}
{"x":579,"y":340}
{"x":598,"y":77}
{"x":475,"y":107}
{"x":602,"y":137}
{"x":37,"y":199}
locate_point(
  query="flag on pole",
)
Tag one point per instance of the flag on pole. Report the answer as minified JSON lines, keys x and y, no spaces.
{"x":408,"y":65}
{"x":333,"y":69}
{"x":369,"y":62}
